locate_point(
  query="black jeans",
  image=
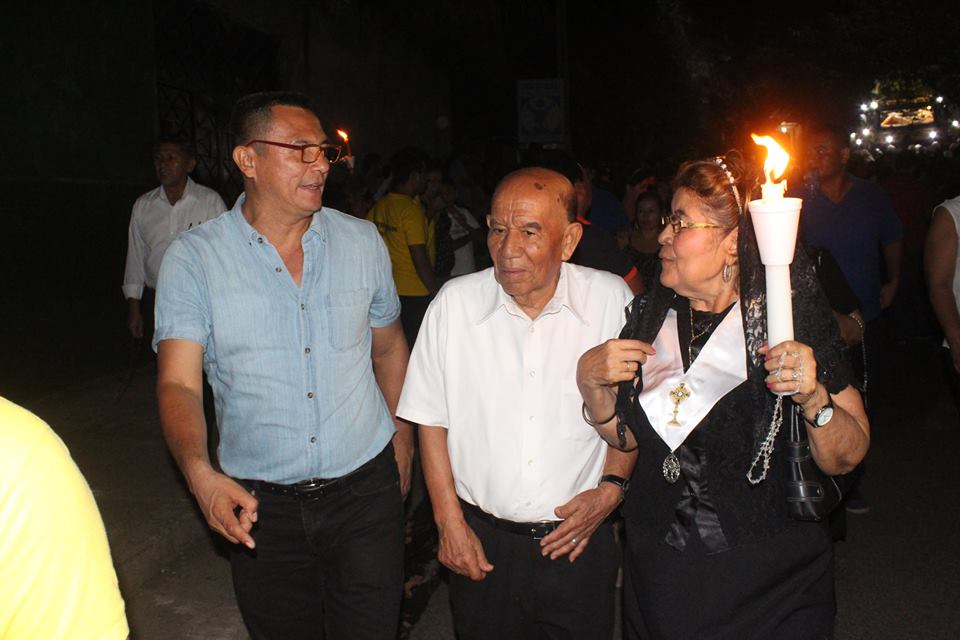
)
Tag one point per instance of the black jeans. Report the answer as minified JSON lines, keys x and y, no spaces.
{"x":412,"y":310}
{"x":528,"y":597}
{"x":329,"y":566}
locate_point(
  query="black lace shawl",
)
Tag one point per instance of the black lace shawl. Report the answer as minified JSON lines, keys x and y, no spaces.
{"x":739,"y":422}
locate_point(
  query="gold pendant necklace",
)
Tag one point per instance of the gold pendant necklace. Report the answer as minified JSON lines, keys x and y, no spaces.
{"x":693,"y":336}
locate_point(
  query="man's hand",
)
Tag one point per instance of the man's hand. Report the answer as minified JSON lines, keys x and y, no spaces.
{"x":581,"y":517}
{"x":461,"y":551}
{"x":403,"y":452}
{"x":134,"y":318}
{"x":230,"y":509}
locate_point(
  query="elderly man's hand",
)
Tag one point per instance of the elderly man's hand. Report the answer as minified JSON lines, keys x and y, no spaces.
{"x":230,"y":509}
{"x":461,"y":551}
{"x":581,"y":517}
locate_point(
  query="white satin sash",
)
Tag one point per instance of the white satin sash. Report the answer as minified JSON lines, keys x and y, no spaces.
{"x":719,"y":368}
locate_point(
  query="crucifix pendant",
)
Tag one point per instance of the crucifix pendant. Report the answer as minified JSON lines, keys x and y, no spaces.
{"x":679,"y":393}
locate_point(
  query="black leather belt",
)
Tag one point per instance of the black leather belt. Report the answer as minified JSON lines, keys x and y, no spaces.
{"x":317,"y":487}
{"x":535,"y":530}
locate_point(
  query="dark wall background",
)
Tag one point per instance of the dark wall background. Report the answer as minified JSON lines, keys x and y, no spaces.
{"x":89,"y":86}
{"x":79,"y":116}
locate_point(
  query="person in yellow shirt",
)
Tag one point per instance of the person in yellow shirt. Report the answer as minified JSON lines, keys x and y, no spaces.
{"x":56,"y":577}
{"x":401,"y":220}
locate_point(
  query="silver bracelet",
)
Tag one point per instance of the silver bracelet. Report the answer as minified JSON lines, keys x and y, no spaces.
{"x":595,"y":423}
{"x":859,"y":323}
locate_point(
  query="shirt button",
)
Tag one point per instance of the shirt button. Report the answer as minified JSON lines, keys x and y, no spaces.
{"x":532,"y":329}
{"x":278,"y":269}
{"x":529,"y":463}
{"x":310,"y":394}
{"x":531,"y":418}
{"x":313,"y":439}
{"x":307,"y":350}
{"x":259,"y":240}
{"x":533,"y":373}
{"x":302,"y":307}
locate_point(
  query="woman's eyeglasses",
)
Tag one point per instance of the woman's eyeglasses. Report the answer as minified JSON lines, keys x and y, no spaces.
{"x":678,"y":224}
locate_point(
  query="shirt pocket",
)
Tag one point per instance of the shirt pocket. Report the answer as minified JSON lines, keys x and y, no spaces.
{"x":347,"y":317}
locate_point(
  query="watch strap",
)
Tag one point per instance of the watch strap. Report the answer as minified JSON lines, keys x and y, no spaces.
{"x":815,"y":423}
{"x":620,"y":481}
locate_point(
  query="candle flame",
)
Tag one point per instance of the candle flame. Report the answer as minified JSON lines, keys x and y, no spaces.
{"x":776,"y":163}
{"x":343,"y":134}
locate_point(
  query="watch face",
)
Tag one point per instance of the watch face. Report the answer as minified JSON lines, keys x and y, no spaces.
{"x":824,"y":416}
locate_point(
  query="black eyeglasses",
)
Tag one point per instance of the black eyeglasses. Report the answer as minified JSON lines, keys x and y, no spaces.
{"x":678,"y":224}
{"x":309,"y":153}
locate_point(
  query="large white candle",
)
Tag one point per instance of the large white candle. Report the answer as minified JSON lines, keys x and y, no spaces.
{"x":775,"y":220}
{"x":776,"y":227}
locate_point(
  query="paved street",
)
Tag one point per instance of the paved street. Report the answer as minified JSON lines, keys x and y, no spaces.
{"x":898,"y":575}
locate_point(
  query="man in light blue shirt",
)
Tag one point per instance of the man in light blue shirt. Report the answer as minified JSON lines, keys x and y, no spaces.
{"x":291,"y":310}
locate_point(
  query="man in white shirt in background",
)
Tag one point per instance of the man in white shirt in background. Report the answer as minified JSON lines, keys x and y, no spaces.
{"x":158,"y":217}
{"x":464,"y":231}
{"x":522,"y":486}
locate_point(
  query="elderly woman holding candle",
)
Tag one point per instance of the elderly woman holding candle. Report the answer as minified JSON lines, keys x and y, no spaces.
{"x":692,"y":385}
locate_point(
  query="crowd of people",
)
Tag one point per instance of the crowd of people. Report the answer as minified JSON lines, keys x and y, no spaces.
{"x":547,"y":350}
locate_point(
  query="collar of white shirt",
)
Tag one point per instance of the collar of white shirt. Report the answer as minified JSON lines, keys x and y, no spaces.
{"x":188,"y":191}
{"x":568,"y":295}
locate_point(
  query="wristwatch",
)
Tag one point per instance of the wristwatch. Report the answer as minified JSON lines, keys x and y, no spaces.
{"x":824,"y":415}
{"x":620,"y":481}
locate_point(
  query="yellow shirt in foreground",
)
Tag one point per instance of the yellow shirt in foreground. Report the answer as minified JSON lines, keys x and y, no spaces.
{"x":56,"y":576}
{"x":402,"y":223}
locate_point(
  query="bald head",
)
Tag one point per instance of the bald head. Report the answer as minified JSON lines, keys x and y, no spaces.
{"x":532,"y":231}
{"x":541,"y":184}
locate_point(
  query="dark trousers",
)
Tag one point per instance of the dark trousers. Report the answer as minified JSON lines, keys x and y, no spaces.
{"x":412,"y":310}
{"x":329,"y":566}
{"x":528,"y":597}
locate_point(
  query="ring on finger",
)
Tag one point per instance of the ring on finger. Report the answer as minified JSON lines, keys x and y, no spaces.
{"x":573,"y":541}
{"x":797,"y":374}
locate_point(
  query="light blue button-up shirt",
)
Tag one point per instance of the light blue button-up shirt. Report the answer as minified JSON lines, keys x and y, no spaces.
{"x":290,"y":366}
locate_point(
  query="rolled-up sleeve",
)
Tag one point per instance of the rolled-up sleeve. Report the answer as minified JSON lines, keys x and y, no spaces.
{"x":385,"y":306}
{"x":182,"y":306}
{"x":134,"y":273}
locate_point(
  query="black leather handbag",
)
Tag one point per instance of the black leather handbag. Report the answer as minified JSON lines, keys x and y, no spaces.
{"x":811,"y":494}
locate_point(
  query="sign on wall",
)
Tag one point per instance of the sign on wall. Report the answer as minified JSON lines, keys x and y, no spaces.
{"x":541,"y":111}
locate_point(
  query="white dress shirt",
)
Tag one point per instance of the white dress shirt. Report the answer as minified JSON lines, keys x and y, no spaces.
{"x":505,"y":388}
{"x":154,"y":224}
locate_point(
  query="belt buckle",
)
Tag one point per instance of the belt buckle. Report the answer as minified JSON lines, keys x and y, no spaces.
{"x":310,"y":486}
{"x":544,"y":525}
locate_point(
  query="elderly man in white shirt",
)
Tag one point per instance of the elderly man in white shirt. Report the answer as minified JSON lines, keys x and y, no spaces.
{"x":158,"y":217}
{"x":522,"y":487}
